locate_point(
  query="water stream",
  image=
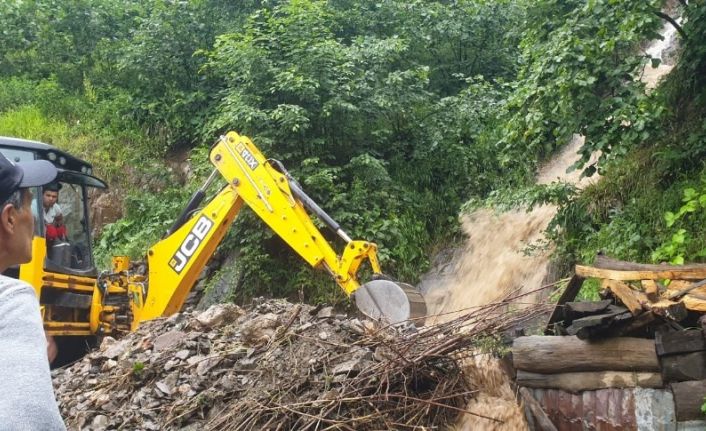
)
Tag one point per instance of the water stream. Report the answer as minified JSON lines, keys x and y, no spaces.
{"x":493,"y":262}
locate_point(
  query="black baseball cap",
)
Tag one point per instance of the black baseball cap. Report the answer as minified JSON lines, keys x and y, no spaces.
{"x":15,"y":176}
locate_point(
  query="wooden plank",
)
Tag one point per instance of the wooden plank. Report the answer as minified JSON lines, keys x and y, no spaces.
{"x":669,"y":343}
{"x":692,"y":270}
{"x":680,"y":368}
{"x":651,"y":290}
{"x":577,"y":310}
{"x":672,"y":274}
{"x":589,"y":380}
{"x":688,"y":398}
{"x":543,"y":422}
{"x":551,"y":355}
{"x":569,"y":294}
{"x":632,"y":299}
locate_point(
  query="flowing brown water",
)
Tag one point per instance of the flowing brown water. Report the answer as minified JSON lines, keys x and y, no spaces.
{"x":504,"y":252}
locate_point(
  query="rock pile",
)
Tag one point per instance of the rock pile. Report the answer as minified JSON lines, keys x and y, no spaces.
{"x":277,"y":366}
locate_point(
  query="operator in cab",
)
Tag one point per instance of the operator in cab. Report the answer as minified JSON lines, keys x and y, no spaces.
{"x":55,"y":232}
{"x":53,"y":216}
{"x":27,"y":399}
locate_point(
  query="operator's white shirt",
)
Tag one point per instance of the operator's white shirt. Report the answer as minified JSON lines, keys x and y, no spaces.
{"x":51,"y":213}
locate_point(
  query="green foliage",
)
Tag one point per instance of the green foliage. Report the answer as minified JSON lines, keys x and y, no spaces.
{"x":148,"y":215}
{"x":138,"y":368}
{"x":686,"y":227}
{"x":580,"y":61}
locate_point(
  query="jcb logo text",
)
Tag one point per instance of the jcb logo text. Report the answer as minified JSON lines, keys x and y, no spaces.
{"x":190,"y":244}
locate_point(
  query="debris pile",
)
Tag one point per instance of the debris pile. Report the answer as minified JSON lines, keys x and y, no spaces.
{"x":278,"y":365}
{"x":638,"y":300}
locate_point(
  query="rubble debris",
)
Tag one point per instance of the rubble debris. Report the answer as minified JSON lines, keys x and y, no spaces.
{"x":279,"y":366}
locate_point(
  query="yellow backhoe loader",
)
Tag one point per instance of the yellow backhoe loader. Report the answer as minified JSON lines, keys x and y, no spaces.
{"x":78,"y":301}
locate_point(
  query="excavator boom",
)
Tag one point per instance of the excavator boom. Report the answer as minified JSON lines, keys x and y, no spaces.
{"x":267,"y":188}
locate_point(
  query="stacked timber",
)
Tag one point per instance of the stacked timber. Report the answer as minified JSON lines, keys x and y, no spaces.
{"x":645,"y":335}
{"x":638,"y":300}
{"x":574,"y":365}
{"x":682,"y":357}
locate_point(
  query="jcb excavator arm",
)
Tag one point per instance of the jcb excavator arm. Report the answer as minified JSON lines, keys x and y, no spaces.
{"x":175,"y":262}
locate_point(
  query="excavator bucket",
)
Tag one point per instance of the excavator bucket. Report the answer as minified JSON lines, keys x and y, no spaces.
{"x":390,"y":301}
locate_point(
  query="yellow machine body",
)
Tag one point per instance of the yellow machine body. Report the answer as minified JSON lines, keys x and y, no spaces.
{"x":120,"y":299}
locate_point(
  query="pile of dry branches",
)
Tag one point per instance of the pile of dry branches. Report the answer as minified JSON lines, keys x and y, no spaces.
{"x":416,"y":383}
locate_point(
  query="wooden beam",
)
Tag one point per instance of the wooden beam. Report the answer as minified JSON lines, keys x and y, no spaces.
{"x":589,"y":380}
{"x":680,"y":368}
{"x":605,"y":267}
{"x":632,"y":299}
{"x":551,"y":355}
{"x":606,"y":262}
{"x":688,"y":398}
{"x":651,"y":290}
{"x":670,"y":343}
{"x":543,"y":422}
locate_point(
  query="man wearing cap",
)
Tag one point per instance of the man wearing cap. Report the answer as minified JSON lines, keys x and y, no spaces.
{"x":26,"y":394}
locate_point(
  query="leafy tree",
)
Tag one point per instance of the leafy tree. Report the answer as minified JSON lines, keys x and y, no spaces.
{"x":579,"y":75}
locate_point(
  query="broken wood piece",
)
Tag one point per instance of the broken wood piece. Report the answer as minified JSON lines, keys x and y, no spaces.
{"x":589,"y":380}
{"x":577,"y":310}
{"x":593,"y":326}
{"x":542,"y":420}
{"x":605,"y":267}
{"x":551,"y":355}
{"x":682,"y":292}
{"x":670,"y":343}
{"x":695,"y":299}
{"x":680,"y":368}
{"x":688,"y":398}
{"x":635,"y":324}
{"x":695,"y":302}
{"x":651,"y":290}
{"x":632,"y":299}
{"x":675,"y":311}
{"x":572,"y":289}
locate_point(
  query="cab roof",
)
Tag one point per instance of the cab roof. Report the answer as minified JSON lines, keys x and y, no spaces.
{"x":70,"y":167}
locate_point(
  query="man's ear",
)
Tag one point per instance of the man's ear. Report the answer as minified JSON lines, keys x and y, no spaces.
{"x":8,"y":218}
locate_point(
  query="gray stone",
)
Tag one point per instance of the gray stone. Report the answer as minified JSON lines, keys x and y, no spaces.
{"x":167,"y":340}
{"x":100,"y":422}
{"x":325,"y":313}
{"x":219,"y":314}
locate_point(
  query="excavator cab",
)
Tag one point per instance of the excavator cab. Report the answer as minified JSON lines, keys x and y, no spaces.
{"x":62,"y":270}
